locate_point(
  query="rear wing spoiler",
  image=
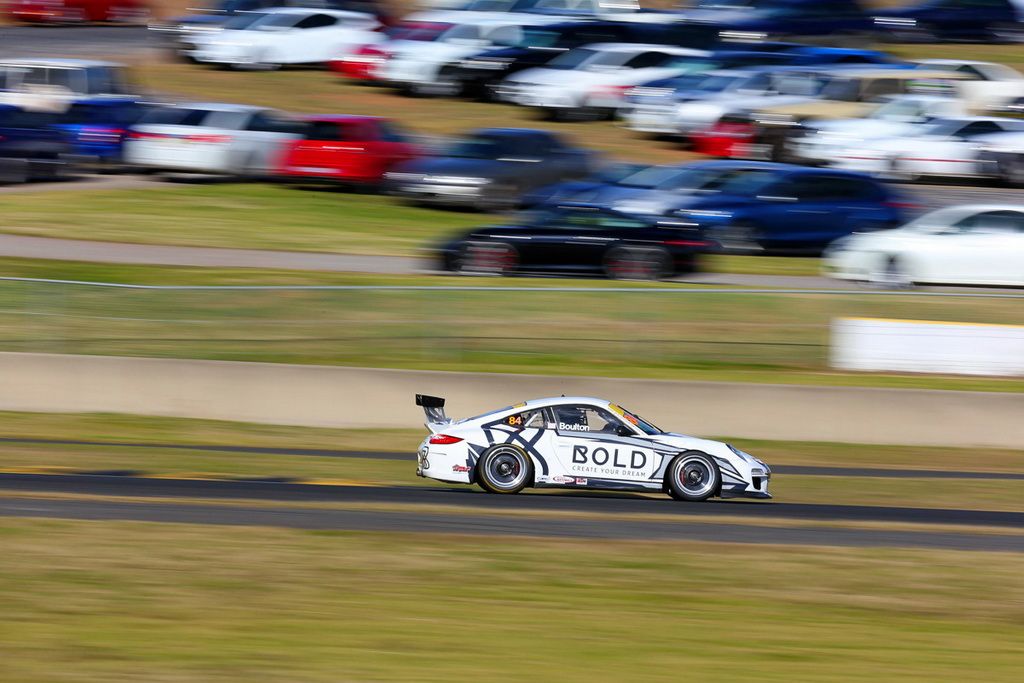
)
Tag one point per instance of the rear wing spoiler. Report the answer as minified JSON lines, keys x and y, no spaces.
{"x":433,"y":408}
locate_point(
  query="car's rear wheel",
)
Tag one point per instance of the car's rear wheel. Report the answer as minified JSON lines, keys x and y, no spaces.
{"x":693,"y":476}
{"x":487,"y":258}
{"x":638,"y":263}
{"x":504,"y":469}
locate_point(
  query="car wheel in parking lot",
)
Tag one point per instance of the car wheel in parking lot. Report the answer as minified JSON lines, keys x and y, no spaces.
{"x":1011,"y":169}
{"x":13,"y":171}
{"x":692,"y":476}
{"x":487,"y":258}
{"x":891,"y":274}
{"x":637,"y":263}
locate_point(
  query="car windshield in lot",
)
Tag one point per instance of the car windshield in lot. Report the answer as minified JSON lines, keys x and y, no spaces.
{"x":574,"y":58}
{"x":175,"y":116}
{"x":424,"y":31}
{"x":243,"y":21}
{"x":482,"y":147}
{"x":746,"y":182}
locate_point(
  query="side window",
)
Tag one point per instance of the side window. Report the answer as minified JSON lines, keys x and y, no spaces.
{"x":530,"y":419}
{"x":646,"y":60}
{"x":505,"y":35}
{"x":993,"y":222}
{"x":317,"y":21}
{"x":979,"y":128}
{"x":972,"y":71}
{"x":390,"y":133}
{"x":576,"y":419}
{"x":325,"y":131}
{"x":880,"y":88}
{"x":268,"y":123}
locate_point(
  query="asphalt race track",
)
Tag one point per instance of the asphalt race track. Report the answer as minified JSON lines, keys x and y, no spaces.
{"x":493,"y":515}
{"x":821,"y":471}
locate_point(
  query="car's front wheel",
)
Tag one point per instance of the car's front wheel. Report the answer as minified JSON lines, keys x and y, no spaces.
{"x":486,"y":258}
{"x":693,"y":476}
{"x":504,"y":469}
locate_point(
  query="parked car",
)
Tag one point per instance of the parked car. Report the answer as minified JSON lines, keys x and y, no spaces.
{"x":490,"y":169}
{"x":579,"y":239}
{"x":767,"y":131}
{"x":364,"y":62}
{"x":77,"y":11}
{"x":347,"y":150}
{"x":428,"y":67}
{"x":590,"y":82}
{"x":779,"y":208}
{"x":211,"y":139}
{"x":936,"y":21}
{"x":949,"y":147}
{"x":822,"y":142}
{"x":989,"y":85}
{"x":978,"y":244}
{"x":62,"y":79}
{"x":655,"y":190}
{"x":834,"y":21}
{"x":98,"y":127}
{"x":181,"y":33}
{"x":286,"y":36}
{"x":481,"y":72}
{"x":686,"y":105}
{"x":31,"y":148}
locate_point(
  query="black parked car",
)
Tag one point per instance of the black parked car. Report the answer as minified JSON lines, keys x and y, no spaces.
{"x":31,"y":148}
{"x":579,"y":239}
{"x":490,"y":169}
{"x":942,"y":20}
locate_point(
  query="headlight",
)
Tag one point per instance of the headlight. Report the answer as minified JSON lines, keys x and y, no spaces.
{"x":746,"y":457}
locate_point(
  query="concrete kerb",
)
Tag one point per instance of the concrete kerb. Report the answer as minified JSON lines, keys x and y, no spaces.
{"x":347,"y":397}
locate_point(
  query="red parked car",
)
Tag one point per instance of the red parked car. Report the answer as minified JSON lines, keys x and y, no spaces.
{"x":349,"y":150}
{"x":361,"y":64}
{"x":77,"y":11}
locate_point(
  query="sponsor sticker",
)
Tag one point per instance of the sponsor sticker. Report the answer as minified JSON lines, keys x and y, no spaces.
{"x":581,"y":482}
{"x":572,"y":427}
{"x":562,"y":479}
{"x":460,"y":468}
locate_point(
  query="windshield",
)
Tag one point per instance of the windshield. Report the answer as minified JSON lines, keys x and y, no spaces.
{"x":535,"y":37}
{"x":490,"y":5}
{"x":743,"y":181}
{"x":419,"y":30}
{"x":943,"y":127}
{"x":572,"y":59}
{"x":897,"y":110}
{"x":240,"y":22}
{"x":719,"y":83}
{"x":635,"y":420}
{"x":274,"y":22}
{"x":478,"y":148}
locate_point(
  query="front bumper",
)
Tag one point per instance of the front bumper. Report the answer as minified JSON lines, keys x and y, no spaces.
{"x":439,"y":193}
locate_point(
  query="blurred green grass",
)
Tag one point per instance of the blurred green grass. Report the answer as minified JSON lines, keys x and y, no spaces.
{"x":103,"y":601}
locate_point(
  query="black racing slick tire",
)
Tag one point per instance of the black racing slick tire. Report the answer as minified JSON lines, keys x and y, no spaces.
{"x":504,"y":468}
{"x":693,"y":476}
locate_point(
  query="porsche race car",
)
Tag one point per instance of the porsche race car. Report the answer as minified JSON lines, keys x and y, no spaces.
{"x":581,"y":443}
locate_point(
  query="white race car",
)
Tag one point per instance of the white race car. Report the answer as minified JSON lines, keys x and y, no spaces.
{"x":581,"y":443}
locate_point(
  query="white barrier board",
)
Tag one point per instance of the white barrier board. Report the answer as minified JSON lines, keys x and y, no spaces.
{"x":927,"y":346}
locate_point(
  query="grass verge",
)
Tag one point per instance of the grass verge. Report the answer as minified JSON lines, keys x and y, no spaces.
{"x":102,"y":601}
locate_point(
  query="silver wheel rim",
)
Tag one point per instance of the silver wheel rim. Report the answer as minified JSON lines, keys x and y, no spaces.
{"x":695,"y":476}
{"x":505,"y":468}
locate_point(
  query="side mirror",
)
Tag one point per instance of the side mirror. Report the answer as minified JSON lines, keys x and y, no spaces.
{"x":623,"y":430}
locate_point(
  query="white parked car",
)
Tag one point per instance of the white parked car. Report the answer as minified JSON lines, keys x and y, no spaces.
{"x":1001,"y":157}
{"x":684,"y":110}
{"x":581,"y":443}
{"x":419,"y":67}
{"x":211,"y":139}
{"x":981,"y":244}
{"x":990,"y":84}
{"x":592,"y":81}
{"x":287,"y":35}
{"x":900,"y":115}
{"x":943,"y":148}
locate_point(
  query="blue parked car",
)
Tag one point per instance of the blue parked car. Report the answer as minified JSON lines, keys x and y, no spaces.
{"x":31,"y":148}
{"x":835,"y":20}
{"x":940,"y":20}
{"x":765,"y":207}
{"x":98,"y":127}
